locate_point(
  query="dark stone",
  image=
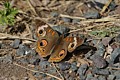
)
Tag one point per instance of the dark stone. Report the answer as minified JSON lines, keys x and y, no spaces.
{"x":82,"y":70}
{"x":117,"y":74}
{"x":111,"y":77}
{"x":44,"y":64}
{"x":23,"y":50}
{"x":74,"y":66}
{"x":100,"y":71}
{"x":67,"y":19}
{"x":16,"y":43}
{"x":101,"y":77}
{"x":100,"y":52}
{"x":99,"y":61}
{"x":92,"y":15}
{"x":7,"y":58}
{"x":64,"y":66}
{"x":37,"y":74}
{"x":71,"y":78}
{"x":112,"y":5}
{"x":76,"y":20}
{"x":94,"y":41}
{"x":106,"y":40}
{"x":100,"y":3}
{"x":89,"y":76}
{"x":101,"y":49}
{"x":61,"y":29}
{"x":24,"y":61}
{"x":114,"y":56}
{"x":52,"y":78}
{"x":116,"y":64}
{"x":52,"y":70}
{"x":88,"y":55}
{"x":20,"y":52}
{"x":34,"y":61}
{"x":100,"y":45}
{"x":54,"y":14}
{"x":117,"y":39}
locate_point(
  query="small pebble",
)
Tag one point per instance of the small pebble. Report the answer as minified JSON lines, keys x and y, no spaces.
{"x":16,"y":43}
{"x":112,"y":5}
{"x":37,"y":74}
{"x":101,"y":49}
{"x":99,"y":61}
{"x":54,"y":14}
{"x":44,"y":64}
{"x":111,"y":77}
{"x":100,"y":45}
{"x":76,"y":20}
{"x":89,"y":76}
{"x":94,"y":41}
{"x":61,"y":29}
{"x":100,"y":71}
{"x":24,"y":61}
{"x":64,"y":66}
{"x":53,"y":78}
{"x":101,"y":77}
{"x":34,"y":61}
{"x":7,"y":58}
{"x":106,"y":40}
{"x":74,"y":66}
{"x":100,"y":52}
{"x":114,"y":56}
{"x":117,"y":74}
{"x":117,"y":39}
{"x":92,"y":15}
{"x":67,"y":19}
{"x":52,"y":70}
{"x":82,"y":70}
{"x":23,"y":50}
{"x":88,"y":55}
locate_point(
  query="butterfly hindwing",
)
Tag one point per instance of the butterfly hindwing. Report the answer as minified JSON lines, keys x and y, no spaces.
{"x":67,"y":44}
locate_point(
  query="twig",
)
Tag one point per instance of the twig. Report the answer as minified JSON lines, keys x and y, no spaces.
{"x":8,"y":36}
{"x":114,"y":68}
{"x":72,"y":17}
{"x":28,"y":28}
{"x":105,"y":7}
{"x":106,"y":19}
{"x":37,"y":71}
{"x":33,"y":9}
{"x":58,"y":71}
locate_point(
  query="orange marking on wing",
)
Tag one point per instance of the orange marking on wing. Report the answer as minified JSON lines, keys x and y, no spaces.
{"x":67,"y":39}
{"x":49,"y":30}
{"x":70,"y":39}
{"x":53,"y":33}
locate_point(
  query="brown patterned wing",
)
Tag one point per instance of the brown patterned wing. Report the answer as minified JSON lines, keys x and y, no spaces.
{"x":47,"y":38}
{"x":68,"y":44}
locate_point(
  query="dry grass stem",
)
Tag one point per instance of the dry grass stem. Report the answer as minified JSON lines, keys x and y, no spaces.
{"x":8,"y":36}
{"x":72,"y":17}
{"x":58,"y":71}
